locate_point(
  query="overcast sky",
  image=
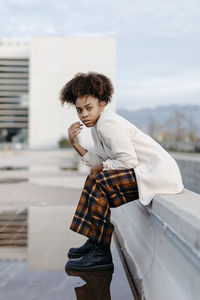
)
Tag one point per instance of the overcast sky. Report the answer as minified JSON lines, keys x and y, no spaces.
{"x":158,"y":42}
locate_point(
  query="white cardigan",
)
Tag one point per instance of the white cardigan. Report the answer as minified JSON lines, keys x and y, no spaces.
{"x":118,"y":144}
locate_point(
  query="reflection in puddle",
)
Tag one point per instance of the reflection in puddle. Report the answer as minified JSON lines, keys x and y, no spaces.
{"x":97,"y":284}
{"x":13,"y":228}
{"x":10,"y":168}
{"x":13,"y":180}
{"x":39,"y":168}
{"x":68,"y":168}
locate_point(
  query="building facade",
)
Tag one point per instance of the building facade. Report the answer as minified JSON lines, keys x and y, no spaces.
{"x":31,"y":77}
{"x":14,"y":91}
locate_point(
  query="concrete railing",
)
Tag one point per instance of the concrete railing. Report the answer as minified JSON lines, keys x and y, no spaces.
{"x":161,"y":245}
{"x":189,"y":165}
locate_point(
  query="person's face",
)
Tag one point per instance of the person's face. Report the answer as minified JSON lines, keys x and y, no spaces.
{"x":89,"y":109}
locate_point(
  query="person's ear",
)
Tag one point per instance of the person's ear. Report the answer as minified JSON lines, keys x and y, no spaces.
{"x":102,"y":105}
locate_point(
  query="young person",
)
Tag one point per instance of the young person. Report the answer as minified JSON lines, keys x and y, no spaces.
{"x":126,"y":165}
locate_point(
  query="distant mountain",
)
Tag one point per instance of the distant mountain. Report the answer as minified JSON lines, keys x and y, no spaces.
{"x":143,"y":118}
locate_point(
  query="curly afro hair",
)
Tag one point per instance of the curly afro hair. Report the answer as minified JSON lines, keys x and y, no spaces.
{"x":91,"y":83}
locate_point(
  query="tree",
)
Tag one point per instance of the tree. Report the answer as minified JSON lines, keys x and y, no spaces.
{"x":176,"y":126}
{"x":192,"y":128}
{"x":152,"y":127}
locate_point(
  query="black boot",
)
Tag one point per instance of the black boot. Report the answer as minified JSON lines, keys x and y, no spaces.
{"x":98,"y":258}
{"x":80,"y":251}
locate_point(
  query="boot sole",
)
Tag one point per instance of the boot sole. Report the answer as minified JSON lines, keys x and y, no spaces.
{"x":93,"y":268}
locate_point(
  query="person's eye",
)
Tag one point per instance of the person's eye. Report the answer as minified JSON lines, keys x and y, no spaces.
{"x":89,"y":107}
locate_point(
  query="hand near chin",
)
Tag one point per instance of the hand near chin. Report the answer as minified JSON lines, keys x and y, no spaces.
{"x":96,"y":169}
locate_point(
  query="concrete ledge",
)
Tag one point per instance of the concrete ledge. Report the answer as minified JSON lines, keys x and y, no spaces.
{"x":181,"y":213}
{"x":161,"y":244}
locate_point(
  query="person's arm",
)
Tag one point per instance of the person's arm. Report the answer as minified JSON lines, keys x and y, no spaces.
{"x":88,"y":157}
{"x":91,"y":158}
{"x":117,"y":139}
{"x":81,"y":151}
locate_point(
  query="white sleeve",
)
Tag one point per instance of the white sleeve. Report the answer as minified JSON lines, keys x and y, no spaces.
{"x":91,"y":158}
{"x":116,"y":138}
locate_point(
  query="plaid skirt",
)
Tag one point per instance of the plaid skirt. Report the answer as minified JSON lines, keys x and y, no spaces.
{"x":101,"y":191}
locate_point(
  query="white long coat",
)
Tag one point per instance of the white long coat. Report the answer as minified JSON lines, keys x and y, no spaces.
{"x":118,"y":144}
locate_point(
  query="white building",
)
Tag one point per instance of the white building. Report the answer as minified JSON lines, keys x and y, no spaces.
{"x":31,"y":77}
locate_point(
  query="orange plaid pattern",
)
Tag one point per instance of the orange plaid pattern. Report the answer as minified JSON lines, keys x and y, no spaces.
{"x":108,"y":188}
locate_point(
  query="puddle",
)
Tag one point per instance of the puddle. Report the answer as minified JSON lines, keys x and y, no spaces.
{"x":13,"y":180}
{"x":19,"y":281}
{"x":10,"y":168}
{"x":38,"y":168}
{"x":69,"y":169}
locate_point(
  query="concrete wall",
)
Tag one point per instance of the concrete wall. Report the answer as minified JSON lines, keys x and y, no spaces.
{"x":189,"y":165}
{"x":161,"y":244}
{"x":54,"y":61}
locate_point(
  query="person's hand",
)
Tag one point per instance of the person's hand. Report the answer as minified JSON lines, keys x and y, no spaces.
{"x":96,"y":169}
{"x":73,"y":131}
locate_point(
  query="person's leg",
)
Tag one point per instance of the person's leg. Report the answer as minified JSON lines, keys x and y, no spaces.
{"x":109,"y":188}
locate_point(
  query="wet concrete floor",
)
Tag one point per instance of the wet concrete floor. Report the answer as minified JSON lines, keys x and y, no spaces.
{"x":17,"y":281}
{"x":46,"y":185}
